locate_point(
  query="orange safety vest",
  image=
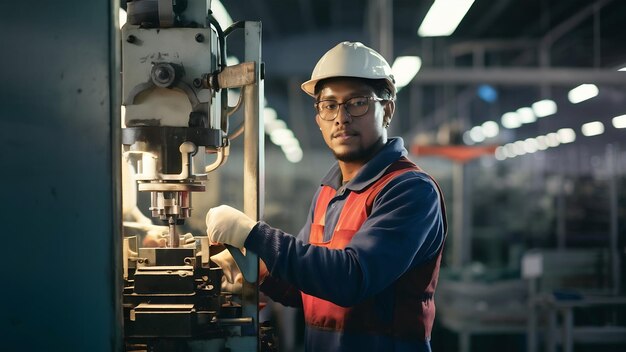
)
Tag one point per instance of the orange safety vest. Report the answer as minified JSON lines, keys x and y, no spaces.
{"x":414,"y":310}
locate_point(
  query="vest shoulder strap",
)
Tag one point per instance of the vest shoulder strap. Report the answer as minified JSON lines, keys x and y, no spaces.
{"x":400,"y":166}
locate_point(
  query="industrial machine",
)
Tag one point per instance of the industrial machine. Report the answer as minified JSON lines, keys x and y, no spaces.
{"x":174,"y":90}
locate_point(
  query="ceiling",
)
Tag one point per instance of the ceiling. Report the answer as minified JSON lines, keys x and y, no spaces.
{"x":538,"y":38}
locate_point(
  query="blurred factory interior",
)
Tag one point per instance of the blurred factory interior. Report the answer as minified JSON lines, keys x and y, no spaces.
{"x":519,"y":113}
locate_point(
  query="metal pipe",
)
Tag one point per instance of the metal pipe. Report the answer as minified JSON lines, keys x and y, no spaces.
{"x":519,"y":76}
{"x":234,"y":321}
{"x":611,"y":152}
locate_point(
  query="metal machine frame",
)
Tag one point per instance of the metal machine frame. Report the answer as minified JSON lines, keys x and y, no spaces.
{"x":172,"y":297}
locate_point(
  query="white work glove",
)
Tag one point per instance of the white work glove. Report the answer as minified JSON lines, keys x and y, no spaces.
{"x":235,"y":287}
{"x":187,"y":241}
{"x":233,"y":279}
{"x":226,"y":261}
{"x":156,"y":238}
{"x":228,"y":225}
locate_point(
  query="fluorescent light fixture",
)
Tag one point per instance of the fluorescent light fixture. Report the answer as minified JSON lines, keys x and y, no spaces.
{"x":289,"y":144}
{"x":292,"y":150}
{"x":272,"y":125}
{"x":592,"y":128}
{"x":281,"y":136}
{"x":519,"y":147}
{"x":404,"y":68}
{"x":509,"y":150}
{"x":443,"y":17}
{"x":511,"y":120}
{"x":544,"y":108}
{"x":467,"y":139}
{"x":582,"y":92}
{"x":619,"y":121}
{"x":500,"y":153}
{"x":487,"y":93}
{"x":293,"y":155}
{"x":566,"y":135}
{"x":476,"y":133}
{"x":490,"y":129}
{"x":552,"y":140}
{"x":530,"y":145}
{"x":542,"y":142}
{"x":269,"y":114}
{"x":220,"y":14}
{"x":622,"y":69}
{"x":526,"y":115}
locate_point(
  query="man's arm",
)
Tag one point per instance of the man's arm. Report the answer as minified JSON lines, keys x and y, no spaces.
{"x":404,"y":229}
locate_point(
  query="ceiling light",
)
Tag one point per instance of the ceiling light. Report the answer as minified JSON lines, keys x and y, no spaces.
{"x":619,"y":121}
{"x":404,"y":68}
{"x":530,"y":145}
{"x":542,"y":142}
{"x":467,"y":139}
{"x":582,"y":92}
{"x":443,"y":17}
{"x":476,"y":133}
{"x":544,"y":108}
{"x":519,"y":148}
{"x":552,"y":140}
{"x":281,"y":136}
{"x":566,"y":135}
{"x":272,"y":125}
{"x":511,"y":120}
{"x":269,"y":114}
{"x":487,"y":93}
{"x":526,"y":115}
{"x":592,"y":128}
{"x":622,"y":69}
{"x":293,"y":155}
{"x":490,"y":129}
{"x":220,"y":14}
{"x":509,"y":150}
{"x":500,"y":153}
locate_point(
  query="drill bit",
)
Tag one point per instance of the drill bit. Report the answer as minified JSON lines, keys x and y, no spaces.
{"x":173,"y":240}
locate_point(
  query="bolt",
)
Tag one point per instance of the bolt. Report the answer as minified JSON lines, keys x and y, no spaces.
{"x":162,"y":74}
{"x":199,"y":37}
{"x":131,"y":39}
{"x":197,"y":82}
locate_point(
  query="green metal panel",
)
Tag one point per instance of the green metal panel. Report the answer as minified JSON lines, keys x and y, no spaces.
{"x":59,"y":173}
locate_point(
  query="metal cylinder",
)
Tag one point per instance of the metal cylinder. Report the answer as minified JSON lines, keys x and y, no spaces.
{"x":167,"y":204}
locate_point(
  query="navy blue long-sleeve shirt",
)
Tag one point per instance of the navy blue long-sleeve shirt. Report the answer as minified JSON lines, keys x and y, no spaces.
{"x":405,"y":229}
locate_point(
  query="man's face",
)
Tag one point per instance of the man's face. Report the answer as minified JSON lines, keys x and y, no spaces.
{"x":354,"y":139}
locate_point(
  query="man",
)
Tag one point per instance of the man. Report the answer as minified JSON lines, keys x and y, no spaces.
{"x":365,"y":265}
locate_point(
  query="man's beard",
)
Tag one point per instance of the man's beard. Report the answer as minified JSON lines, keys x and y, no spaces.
{"x":361,"y":154}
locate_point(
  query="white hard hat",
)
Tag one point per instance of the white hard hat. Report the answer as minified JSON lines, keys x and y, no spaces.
{"x":350,"y":59}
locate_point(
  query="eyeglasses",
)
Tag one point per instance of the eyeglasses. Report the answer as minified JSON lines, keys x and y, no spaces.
{"x":355,"y":107}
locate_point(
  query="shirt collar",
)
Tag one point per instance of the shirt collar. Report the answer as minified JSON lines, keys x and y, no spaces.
{"x":372,"y":170}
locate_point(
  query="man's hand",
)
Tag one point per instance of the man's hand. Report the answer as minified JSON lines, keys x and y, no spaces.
{"x":187,"y":241}
{"x":155,"y":238}
{"x":226,"y":261}
{"x":228,"y":225}
{"x":233,"y":279}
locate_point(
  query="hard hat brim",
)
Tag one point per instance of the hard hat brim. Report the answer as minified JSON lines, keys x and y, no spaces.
{"x":309,"y":86}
